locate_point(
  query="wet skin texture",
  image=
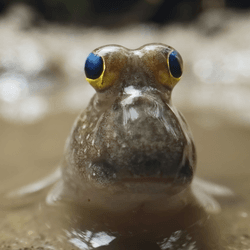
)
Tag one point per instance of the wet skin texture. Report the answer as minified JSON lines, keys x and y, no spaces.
{"x":130,"y":138}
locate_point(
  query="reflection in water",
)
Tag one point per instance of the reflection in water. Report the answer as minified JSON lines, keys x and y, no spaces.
{"x":104,"y":241}
{"x":92,"y":239}
{"x":190,"y":229}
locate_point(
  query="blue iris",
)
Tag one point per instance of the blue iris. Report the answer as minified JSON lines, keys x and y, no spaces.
{"x":93,"y":66}
{"x":174,"y":65}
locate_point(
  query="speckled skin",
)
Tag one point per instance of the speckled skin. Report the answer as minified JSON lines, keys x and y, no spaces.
{"x":130,"y":138}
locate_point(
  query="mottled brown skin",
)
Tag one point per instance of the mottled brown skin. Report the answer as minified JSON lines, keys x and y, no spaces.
{"x":130,"y":139}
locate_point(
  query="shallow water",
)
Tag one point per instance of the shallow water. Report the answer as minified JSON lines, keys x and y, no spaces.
{"x":32,"y":151}
{"x":36,"y":118}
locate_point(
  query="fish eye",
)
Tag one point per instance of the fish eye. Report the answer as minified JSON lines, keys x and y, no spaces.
{"x":94,"y":66}
{"x":174,"y":61}
{"x":103,"y":66}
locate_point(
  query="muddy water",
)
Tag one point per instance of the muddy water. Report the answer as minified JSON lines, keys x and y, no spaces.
{"x":44,"y":97}
{"x":32,"y":151}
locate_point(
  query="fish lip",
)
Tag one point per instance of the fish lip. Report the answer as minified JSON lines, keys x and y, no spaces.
{"x":167,"y":186}
{"x":167,"y":180}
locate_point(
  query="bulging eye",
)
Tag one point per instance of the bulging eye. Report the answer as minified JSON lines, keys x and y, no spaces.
{"x":93,"y":66}
{"x":175,"y":66}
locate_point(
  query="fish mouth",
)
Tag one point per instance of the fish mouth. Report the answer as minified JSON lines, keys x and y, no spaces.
{"x":168,"y":180}
{"x":139,"y":179}
{"x":150,"y":185}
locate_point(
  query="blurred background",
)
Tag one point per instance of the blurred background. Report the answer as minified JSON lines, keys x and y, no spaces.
{"x":44,"y":44}
{"x":43,"y":47}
